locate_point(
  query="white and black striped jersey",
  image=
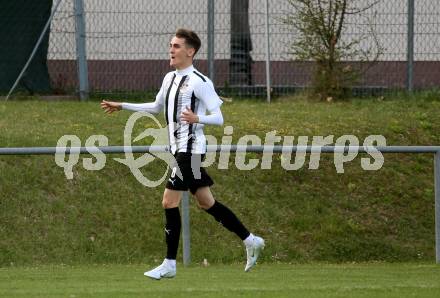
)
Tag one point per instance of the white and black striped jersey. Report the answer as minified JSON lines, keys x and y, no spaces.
{"x":183,"y":89}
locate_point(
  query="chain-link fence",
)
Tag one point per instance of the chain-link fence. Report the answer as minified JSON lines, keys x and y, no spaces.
{"x":126,"y":44}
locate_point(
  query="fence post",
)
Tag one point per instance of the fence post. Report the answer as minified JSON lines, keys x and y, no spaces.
{"x":81,"y":59}
{"x":268,"y":87}
{"x":437,"y":206}
{"x":410,"y":47}
{"x":186,"y":235}
{"x":211,"y":28}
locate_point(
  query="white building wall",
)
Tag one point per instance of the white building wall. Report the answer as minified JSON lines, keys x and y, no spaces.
{"x":141,"y":29}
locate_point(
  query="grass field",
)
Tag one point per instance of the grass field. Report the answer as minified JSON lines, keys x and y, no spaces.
{"x":267,"y":280}
{"x":306,"y":215}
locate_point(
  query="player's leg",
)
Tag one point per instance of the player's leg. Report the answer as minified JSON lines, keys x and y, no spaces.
{"x":230,"y":221}
{"x":220,"y":212}
{"x":170,"y":202}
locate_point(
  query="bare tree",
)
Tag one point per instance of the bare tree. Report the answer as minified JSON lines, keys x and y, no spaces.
{"x":320,"y":25}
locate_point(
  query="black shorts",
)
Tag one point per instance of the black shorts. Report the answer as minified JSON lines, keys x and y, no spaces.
{"x":188,"y":173}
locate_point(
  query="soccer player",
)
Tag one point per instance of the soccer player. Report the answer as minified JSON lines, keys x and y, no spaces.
{"x":190,"y":102}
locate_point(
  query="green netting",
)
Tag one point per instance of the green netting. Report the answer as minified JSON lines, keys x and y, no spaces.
{"x":21,"y":23}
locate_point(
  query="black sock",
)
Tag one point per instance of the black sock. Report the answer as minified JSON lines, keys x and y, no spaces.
{"x":228,"y":219}
{"x":172,"y":231}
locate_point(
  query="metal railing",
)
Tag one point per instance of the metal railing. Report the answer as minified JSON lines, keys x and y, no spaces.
{"x":256,"y":149}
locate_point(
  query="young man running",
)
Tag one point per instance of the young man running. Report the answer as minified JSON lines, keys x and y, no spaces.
{"x":187,"y":96}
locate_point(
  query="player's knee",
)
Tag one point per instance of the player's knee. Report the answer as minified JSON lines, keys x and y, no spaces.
{"x":170,"y":201}
{"x":166,"y":204}
{"x":205,"y":202}
{"x":203,"y":205}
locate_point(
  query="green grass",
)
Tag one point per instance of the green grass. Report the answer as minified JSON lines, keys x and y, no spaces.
{"x":319,"y":215}
{"x":267,"y":280}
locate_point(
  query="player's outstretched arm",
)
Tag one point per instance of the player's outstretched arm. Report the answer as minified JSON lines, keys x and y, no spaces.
{"x":149,"y":107}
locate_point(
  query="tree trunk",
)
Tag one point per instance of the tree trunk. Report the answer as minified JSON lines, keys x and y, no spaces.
{"x":240,"y":64}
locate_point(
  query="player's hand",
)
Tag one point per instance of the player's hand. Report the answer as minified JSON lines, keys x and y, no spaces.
{"x":111,"y":106}
{"x":187,"y":116}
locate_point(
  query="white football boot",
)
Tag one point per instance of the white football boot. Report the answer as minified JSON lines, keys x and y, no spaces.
{"x":253,"y":251}
{"x":163,"y":270}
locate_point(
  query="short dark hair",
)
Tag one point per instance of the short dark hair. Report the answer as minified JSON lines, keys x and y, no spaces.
{"x":191,"y":38}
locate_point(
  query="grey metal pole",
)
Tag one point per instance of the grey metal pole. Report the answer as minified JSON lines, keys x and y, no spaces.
{"x":268,"y":86}
{"x":437,"y":206}
{"x":213,"y":148}
{"x":211,"y":28}
{"x":186,"y":235}
{"x":81,"y":58}
{"x":37,"y":45}
{"x":410,"y":47}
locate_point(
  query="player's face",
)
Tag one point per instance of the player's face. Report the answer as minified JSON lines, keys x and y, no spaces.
{"x":180,"y":54}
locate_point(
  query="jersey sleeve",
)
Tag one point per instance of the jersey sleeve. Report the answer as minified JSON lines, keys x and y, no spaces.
{"x":150,"y":107}
{"x":215,"y":118}
{"x":160,"y":96}
{"x":205,"y":92}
